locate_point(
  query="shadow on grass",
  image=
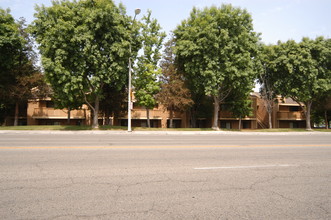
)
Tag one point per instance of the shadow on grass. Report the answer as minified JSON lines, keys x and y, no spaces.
{"x":46,"y":127}
{"x":122,"y":128}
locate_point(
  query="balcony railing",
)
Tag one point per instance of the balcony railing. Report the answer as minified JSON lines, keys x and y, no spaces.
{"x":142,"y":114}
{"x":290,"y":116}
{"x":227,"y":114}
{"x":58,"y":113}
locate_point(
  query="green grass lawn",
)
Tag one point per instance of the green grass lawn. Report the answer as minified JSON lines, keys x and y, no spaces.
{"x":77,"y":128}
{"x":106,"y":127}
{"x":288,"y":130}
{"x":46,"y":127}
{"x":280,"y":130}
{"x":171,"y":129}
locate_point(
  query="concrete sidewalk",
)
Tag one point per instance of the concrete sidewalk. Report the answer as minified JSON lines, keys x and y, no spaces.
{"x":174,"y":133}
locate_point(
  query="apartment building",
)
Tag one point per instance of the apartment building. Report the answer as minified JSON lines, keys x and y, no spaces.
{"x":228,"y":121}
{"x":286,"y":114}
{"x":21,"y":115}
{"x":289,"y":115}
{"x":159,"y":117}
{"x":42,"y":112}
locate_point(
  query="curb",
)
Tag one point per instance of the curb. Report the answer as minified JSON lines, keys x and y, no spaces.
{"x":174,"y":133}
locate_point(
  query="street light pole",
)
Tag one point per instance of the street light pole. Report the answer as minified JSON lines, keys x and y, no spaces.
{"x":136,"y":12}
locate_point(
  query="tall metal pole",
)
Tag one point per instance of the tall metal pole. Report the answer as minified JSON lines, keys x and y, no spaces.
{"x":129,"y":94}
{"x":136,"y":12}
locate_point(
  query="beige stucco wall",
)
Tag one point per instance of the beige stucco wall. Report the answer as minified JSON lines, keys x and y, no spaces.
{"x":38,"y":113}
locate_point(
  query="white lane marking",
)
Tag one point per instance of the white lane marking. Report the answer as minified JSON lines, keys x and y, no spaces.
{"x":244,"y":167}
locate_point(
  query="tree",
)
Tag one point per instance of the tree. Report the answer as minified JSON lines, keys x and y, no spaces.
{"x":173,"y":94}
{"x":19,"y":73}
{"x":61,"y":100}
{"x":321,"y":110}
{"x":303,"y":71}
{"x":10,"y":43}
{"x":267,"y":79}
{"x":147,"y":71}
{"x":217,"y":46}
{"x":27,"y":74}
{"x":239,"y":104}
{"x":113,"y":102}
{"x":84,"y":46}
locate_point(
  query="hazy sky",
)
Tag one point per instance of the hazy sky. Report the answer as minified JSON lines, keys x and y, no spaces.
{"x":275,"y":19}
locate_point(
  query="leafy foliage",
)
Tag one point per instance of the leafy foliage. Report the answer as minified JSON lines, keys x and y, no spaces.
{"x":321,"y":110}
{"x":18,"y":72}
{"x":239,"y":104}
{"x":84,"y":45}
{"x":303,"y":71}
{"x":174,"y":95}
{"x":147,"y":70}
{"x":10,"y":43}
{"x":113,"y":99}
{"x":267,"y":79}
{"x":216,"y":48}
{"x":27,"y":74}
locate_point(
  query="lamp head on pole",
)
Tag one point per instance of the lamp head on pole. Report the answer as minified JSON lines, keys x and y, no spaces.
{"x":137,"y":11}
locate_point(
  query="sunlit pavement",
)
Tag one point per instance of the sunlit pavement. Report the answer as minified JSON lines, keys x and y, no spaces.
{"x":59,"y":175}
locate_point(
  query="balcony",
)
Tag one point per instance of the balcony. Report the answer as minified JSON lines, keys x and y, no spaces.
{"x":290,"y":116}
{"x":227,"y":114}
{"x":50,"y":113}
{"x":142,"y":114}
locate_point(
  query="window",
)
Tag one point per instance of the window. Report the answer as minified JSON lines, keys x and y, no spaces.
{"x":176,"y":123}
{"x":225,"y":125}
{"x":294,"y":125}
{"x":124,"y":122}
{"x":294,"y":108}
{"x":49,"y":104}
{"x":136,"y":106}
{"x":247,"y":124}
{"x":143,"y":124}
{"x":225,"y":107}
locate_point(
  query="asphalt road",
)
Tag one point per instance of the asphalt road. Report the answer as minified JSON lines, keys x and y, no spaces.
{"x":156,"y":139}
{"x":102,"y":175}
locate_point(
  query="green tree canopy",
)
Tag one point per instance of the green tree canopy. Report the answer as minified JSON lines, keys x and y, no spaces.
{"x":174,"y":94}
{"x":267,"y":79}
{"x":84,"y":45}
{"x":145,"y":81}
{"x":303,"y":71}
{"x":112,"y":104}
{"x":239,"y":104}
{"x":10,"y":43}
{"x":18,"y":71}
{"x":216,"y":47}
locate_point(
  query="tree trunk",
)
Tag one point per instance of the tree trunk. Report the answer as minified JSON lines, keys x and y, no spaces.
{"x":216,"y":111}
{"x":86,"y":121}
{"x":107,"y":115}
{"x":148,"y":121}
{"x":308,"y":110}
{"x":270,"y":120}
{"x":16,"y":114}
{"x":171,"y":121}
{"x":193,"y":118}
{"x":95,"y":124}
{"x":326,"y":119}
{"x":69,"y":115}
{"x":240,"y":123}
